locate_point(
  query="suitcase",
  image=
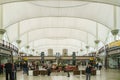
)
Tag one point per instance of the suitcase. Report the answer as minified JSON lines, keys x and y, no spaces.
{"x":35,"y":72}
{"x":76,"y":72}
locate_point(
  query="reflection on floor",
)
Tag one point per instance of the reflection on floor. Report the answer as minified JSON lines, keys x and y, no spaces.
{"x":104,"y":75}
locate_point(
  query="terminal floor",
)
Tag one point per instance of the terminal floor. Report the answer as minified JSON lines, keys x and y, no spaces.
{"x":104,"y":75}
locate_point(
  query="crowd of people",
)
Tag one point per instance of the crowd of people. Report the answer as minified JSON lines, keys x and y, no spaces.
{"x":8,"y":68}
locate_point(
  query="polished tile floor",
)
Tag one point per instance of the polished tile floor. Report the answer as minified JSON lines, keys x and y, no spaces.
{"x":110,"y":74}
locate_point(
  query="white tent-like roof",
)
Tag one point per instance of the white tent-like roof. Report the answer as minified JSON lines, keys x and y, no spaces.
{"x":59,"y":22}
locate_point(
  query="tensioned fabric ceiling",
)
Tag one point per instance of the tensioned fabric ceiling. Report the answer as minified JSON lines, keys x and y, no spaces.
{"x":60,"y":20}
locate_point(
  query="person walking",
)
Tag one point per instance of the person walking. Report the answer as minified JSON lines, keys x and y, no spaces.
{"x":8,"y":70}
{"x":88,"y":72}
{"x":100,"y":65}
{"x":67,"y":69}
{"x":25,"y":68}
{"x":49,"y":69}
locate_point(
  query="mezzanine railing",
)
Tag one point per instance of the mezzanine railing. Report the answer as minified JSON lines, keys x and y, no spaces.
{"x":8,"y":45}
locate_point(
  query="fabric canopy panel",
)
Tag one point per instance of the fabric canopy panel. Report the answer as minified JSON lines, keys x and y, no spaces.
{"x":58,"y":22}
{"x":16,"y":12}
{"x":113,"y":2}
{"x":58,"y":28}
{"x":57,"y":34}
{"x":50,"y":42}
{"x":35,"y":20}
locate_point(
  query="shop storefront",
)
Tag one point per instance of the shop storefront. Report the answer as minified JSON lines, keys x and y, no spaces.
{"x":4,"y":56}
{"x":114,"y":59}
{"x":111,"y":55}
{"x":7,"y":50}
{"x":114,"y":55}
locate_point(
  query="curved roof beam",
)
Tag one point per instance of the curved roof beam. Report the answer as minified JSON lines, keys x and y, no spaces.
{"x":64,"y":28}
{"x":95,"y":1}
{"x":57,"y":44}
{"x":59,"y":16}
{"x":66,"y":37}
{"x":57,"y":27}
{"x":53,"y":39}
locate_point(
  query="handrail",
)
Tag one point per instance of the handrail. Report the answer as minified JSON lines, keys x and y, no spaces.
{"x":114,"y":48}
{"x":109,"y":49}
{"x":8,"y":45}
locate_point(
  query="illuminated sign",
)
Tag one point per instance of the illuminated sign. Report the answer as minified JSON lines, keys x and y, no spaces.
{"x":114,"y":44}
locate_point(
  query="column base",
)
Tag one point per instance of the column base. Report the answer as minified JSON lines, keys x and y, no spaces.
{"x":2,"y":31}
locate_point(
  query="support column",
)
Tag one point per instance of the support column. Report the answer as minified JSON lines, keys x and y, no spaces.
{"x":33,"y":50}
{"x":96,"y":41}
{"x":106,"y":60}
{"x":81,"y":47}
{"x":27,"y":47}
{"x":81,"y":50}
{"x":114,"y":33}
{"x":2,"y":31}
{"x":87,"y":47}
{"x":27,"y":43}
{"x":57,"y":58}
{"x":115,"y":30}
{"x":19,"y":55}
{"x":74,"y":58}
{"x":42,"y":58}
{"x":36,"y":52}
{"x":18,"y":41}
